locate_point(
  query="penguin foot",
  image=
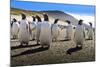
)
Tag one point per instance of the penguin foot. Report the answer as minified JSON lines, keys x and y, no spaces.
{"x":68,"y":52}
{"x":46,"y":46}
{"x":13,"y":38}
{"x":37,"y":43}
{"x":79,"y":46}
{"x":21,"y":45}
{"x":68,"y":39}
{"x":26,"y":44}
{"x":33,"y":39}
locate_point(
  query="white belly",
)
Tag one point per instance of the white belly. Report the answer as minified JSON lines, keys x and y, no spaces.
{"x":38,"y":27}
{"x":79,"y":36}
{"x":55,"y":32}
{"x":14,"y":29}
{"x":90,"y":33}
{"x":33,"y":34}
{"x":45,"y":34}
{"x":69,"y":32}
{"x":33,"y":30}
{"x":24,"y":34}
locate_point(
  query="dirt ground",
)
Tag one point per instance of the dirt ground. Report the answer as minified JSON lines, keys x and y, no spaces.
{"x":33,"y":54}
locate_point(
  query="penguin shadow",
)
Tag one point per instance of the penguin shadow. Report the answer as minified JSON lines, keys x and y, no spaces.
{"x":13,"y":38}
{"x":88,"y":39}
{"x":25,"y":46}
{"x":71,"y":50}
{"x":32,"y":39}
{"x":31,"y":51}
{"x":64,"y":40}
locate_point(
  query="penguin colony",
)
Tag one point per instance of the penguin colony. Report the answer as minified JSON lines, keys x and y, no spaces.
{"x":45,"y":33}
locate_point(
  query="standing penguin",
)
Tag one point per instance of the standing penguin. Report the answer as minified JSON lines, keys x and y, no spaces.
{"x":24,"y":31}
{"x":38,"y":28}
{"x":55,"y":30}
{"x":90,"y":32}
{"x":69,"y":31}
{"x":79,"y":35}
{"x":14,"y":28}
{"x":33,"y":25}
{"x":45,"y":33}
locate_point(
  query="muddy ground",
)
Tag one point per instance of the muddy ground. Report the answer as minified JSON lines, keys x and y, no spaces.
{"x":33,"y":54}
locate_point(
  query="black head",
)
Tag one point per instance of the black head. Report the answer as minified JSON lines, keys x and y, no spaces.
{"x":38,"y":18}
{"x":68,"y":21}
{"x":33,"y":18}
{"x":23,"y":16}
{"x":80,"y":22}
{"x":45,"y":17}
{"x":14,"y":20}
{"x":90,"y":23}
{"x":56,"y":21}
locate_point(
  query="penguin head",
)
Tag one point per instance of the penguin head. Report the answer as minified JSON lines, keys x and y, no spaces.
{"x":80,"y":22}
{"x":45,"y":17}
{"x":19,"y":22}
{"x":90,"y":23}
{"x":23,"y":16}
{"x":38,"y":18}
{"x":33,"y":18}
{"x":14,"y":20}
{"x":74,"y":27}
{"x":68,"y":21}
{"x":56,"y":21}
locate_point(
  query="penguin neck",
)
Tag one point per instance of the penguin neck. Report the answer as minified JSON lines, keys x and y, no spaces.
{"x":90,"y":26}
{"x":24,"y":19}
{"x":39,"y":21}
{"x":69,"y":24}
{"x":55,"y":23}
{"x":45,"y":21}
{"x":80,"y":25}
{"x":33,"y":21}
{"x":14,"y":22}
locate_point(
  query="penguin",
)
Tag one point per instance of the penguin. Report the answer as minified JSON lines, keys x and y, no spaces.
{"x":24,"y":32}
{"x":38,"y":28}
{"x":55,"y":30}
{"x":90,"y":32}
{"x":45,"y":33}
{"x":79,"y":38}
{"x":69,"y":30}
{"x":14,"y":28}
{"x":79,"y":34}
{"x":86,"y":33}
{"x":33,"y":26}
{"x":11,"y":29}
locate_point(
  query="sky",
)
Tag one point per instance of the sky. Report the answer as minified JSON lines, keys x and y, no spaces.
{"x":84,"y":2}
{"x":85,"y":12}
{"x":68,"y":8}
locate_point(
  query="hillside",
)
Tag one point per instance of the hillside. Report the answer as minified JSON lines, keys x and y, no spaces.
{"x":53,"y":14}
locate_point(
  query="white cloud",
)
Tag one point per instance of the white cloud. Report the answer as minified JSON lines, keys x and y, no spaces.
{"x":86,"y":18}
